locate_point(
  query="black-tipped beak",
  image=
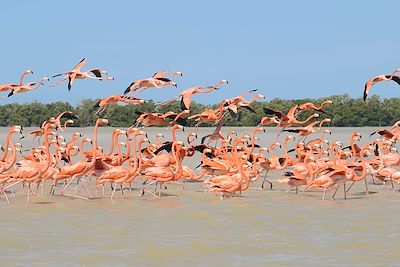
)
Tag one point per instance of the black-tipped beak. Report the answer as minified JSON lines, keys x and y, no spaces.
{"x":2,"y":149}
{"x":22,"y":137}
{"x":91,"y":142}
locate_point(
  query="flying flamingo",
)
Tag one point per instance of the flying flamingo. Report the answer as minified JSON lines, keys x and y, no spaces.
{"x":377,"y":79}
{"x":27,"y":87}
{"x":128,"y":100}
{"x":310,"y":105}
{"x":9,"y":87}
{"x":157,"y":80}
{"x":309,"y":129}
{"x":187,"y":94}
{"x":77,"y":74}
{"x":69,"y":115}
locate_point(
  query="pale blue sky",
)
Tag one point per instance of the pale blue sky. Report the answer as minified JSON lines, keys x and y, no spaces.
{"x":286,"y":49}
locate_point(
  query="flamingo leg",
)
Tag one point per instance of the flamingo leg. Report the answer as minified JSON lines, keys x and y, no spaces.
{"x":67,"y":185}
{"x":113,"y":192}
{"x":84,"y":184}
{"x":323,"y":196}
{"x":122,"y":190}
{"x":366,"y":186}
{"x":348,"y":189}
{"x":29,"y":193}
{"x":5,"y":195}
{"x":334,"y":194}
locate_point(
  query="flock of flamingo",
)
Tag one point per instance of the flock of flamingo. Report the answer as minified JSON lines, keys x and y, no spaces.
{"x":228,"y":165}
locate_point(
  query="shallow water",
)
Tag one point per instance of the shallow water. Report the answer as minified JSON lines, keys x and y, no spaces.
{"x":194,"y":227}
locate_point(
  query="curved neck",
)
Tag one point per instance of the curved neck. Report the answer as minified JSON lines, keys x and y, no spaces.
{"x":113,"y":140}
{"x":306,"y":120}
{"x":178,"y":172}
{"x":21,"y":79}
{"x":128,"y":149}
{"x":239,"y":164}
{"x":7,"y":145}
{"x":94,"y":156}
{"x":135,"y":159}
{"x":363,"y":165}
{"x":11,"y":162}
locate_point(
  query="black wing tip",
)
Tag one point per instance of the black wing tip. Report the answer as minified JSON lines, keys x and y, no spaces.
{"x":97,"y":104}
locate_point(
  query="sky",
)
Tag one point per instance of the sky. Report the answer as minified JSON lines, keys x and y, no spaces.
{"x":285,"y":49}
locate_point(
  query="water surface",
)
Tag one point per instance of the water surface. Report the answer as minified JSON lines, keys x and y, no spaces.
{"x":193,"y":227}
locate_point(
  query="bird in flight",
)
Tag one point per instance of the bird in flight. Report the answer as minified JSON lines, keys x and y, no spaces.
{"x":77,"y":74}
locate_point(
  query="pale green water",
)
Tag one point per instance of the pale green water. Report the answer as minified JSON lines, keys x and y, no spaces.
{"x":192,"y":227}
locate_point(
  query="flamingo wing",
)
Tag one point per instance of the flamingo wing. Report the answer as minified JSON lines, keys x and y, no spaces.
{"x":160,"y":74}
{"x":80,"y":64}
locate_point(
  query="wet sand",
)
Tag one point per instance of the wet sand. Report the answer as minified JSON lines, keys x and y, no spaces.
{"x":193,"y":227}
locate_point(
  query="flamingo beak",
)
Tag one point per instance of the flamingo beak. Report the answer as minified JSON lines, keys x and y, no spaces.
{"x":22,"y":137}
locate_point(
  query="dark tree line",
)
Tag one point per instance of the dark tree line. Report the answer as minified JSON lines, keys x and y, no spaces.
{"x":344,"y":112}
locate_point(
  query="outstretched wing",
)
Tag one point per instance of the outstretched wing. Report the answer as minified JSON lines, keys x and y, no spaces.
{"x":167,"y":146}
{"x":160,"y":74}
{"x":132,"y":87}
{"x":68,"y":115}
{"x":80,"y":64}
{"x":249,"y":109}
{"x":96,"y":72}
{"x":394,"y":78}
{"x":164,"y":79}
{"x":292,"y":130}
{"x":277,"y":113}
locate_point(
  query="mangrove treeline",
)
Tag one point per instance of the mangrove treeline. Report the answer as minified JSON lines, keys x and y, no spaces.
{"x":344,"y":112}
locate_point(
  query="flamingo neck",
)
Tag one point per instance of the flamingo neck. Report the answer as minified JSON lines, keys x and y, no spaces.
{"x":94,"y":156}
{"x":7,"y":146}
{"x":113,"y":140}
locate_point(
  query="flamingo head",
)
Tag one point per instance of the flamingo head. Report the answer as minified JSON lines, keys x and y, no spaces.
{"x":177,"y":73}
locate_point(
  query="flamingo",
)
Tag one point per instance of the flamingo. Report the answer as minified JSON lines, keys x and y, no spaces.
{"x":77,"y":74}
{"x":310,"y":105}
{"x":165,"y":174}
{"x":23,"y":88}
{"x":157,"y":80}
{"x":10,"y":87}
{"x":380,"y":78}
{"x":187,"y":94}
{"x":128,"y":100}
{"x":82,"y":167}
